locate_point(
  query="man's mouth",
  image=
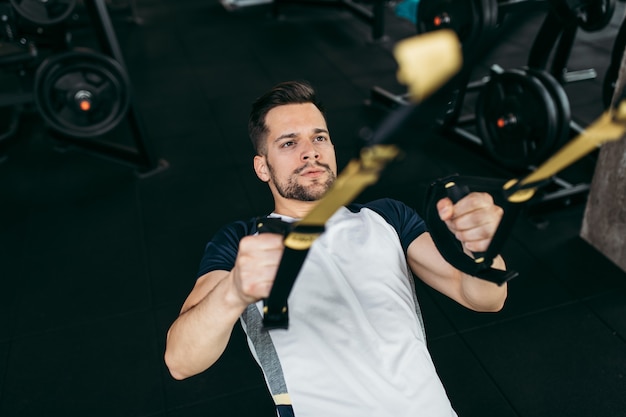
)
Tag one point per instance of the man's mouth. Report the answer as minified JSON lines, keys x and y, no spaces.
{"x":313,"y":172}
{"x":308,"y":171}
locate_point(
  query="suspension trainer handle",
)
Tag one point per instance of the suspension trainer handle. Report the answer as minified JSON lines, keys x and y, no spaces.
{"x":480,"y":264}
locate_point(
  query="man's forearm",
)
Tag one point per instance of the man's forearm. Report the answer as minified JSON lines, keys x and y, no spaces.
{"x":199,"y":335}
{"x":483,"y":295}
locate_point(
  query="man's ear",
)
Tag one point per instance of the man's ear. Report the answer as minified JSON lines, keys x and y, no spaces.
{"x":260,"y":167}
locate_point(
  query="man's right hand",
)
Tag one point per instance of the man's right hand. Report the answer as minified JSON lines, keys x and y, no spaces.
{"x":256,"y":266}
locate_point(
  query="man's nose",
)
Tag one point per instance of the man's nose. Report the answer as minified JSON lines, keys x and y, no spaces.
{"x":310,"y":152}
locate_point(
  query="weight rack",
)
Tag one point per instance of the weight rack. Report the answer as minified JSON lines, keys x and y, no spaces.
{"x":24,"y":55}
{"x":142,"y":156}
{"x":554,"y":31}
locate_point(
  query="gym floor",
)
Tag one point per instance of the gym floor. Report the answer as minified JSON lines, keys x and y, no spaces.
{"x":97,"y":260}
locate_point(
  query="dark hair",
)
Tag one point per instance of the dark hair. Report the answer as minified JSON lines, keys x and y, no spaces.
{"x":288,"y":92}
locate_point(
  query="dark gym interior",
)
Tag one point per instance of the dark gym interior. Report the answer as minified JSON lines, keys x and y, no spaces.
{"x":101,"y":236}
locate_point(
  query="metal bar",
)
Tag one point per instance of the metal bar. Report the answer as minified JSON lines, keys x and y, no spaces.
{"x":107,"y":38}
{"x":563,"y":50}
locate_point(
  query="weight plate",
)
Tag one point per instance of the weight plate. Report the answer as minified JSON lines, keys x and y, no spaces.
{"x":82,"y":93}
{"x":470,"y":19}
{"x":561,"y":101}
{"x":44,"y":12}
{"x":516,"y":119}
{"x":595,"y":15}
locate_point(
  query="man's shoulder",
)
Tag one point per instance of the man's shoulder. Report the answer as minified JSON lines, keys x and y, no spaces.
{"x":238,"y":228}
{"x":403,"y":218}
{"x":382,"y":206}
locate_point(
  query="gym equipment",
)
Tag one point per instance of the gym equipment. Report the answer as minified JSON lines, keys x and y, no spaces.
{"x":511,"y":194}
{"x":510,"y":144}
{"x":521,"y":116}
{"x":469,"y":19}
{"x":560,"y":27}
{"x":610,"y":126}
{"x":591,"y":15}
{"x":472,"y":20}
{"x":44,"y":12}
{"x":610,"y":78}
{"x":18,"y":57}
{"x":81,"y":93}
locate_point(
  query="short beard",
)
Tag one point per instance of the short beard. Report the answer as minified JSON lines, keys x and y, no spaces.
{"x":296,"y":191}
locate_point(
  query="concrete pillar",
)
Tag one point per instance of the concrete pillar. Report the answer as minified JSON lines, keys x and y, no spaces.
{"x":604,"y":222}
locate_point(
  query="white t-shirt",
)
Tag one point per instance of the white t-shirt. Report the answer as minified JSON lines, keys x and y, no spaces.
{"x":355,"y":345}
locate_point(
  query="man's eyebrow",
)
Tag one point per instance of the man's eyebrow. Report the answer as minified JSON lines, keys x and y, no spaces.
{"x":295,"y":135}
{"x":285,"y":136}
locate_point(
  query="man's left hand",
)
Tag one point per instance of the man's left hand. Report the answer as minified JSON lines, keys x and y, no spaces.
{"x":473,"y":220}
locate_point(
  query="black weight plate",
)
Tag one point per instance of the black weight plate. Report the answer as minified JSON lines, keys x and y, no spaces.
{"x":516,"y":119}
{"x":44,"y":12}
{"x":595,"y":15}
{"x":561,"y":101}
{"x":469,"y":19}
{"x":60,"y":82}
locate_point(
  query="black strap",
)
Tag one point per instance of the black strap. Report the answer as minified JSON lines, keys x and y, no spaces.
{"x":447,"y":244}
{"x":275,"y":310}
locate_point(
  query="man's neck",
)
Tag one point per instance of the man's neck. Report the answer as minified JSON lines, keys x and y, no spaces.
{"x":294,"y":208}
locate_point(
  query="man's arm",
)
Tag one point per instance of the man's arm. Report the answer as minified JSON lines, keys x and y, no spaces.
{"x":473,"y":220}
{"x":201,"y":332}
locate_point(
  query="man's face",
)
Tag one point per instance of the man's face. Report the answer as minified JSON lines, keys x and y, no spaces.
{"x":300,"y":157}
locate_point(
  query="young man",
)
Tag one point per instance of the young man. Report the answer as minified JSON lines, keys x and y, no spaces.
{"x":355,"y":344}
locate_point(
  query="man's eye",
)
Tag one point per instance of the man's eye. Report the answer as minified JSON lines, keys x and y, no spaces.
{"x":321,"y":138}
{"x":287,"y":144}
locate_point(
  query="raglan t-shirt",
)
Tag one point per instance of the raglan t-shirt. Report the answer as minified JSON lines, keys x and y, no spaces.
{"x":355,"y":345}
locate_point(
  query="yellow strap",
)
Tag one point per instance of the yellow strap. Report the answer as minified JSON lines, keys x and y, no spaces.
{"x":425,"y":63}
{"x":353,"y":179}
{"x":282,"y":399}
{"x":356,"y":176}
{"x":608,"y":127}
